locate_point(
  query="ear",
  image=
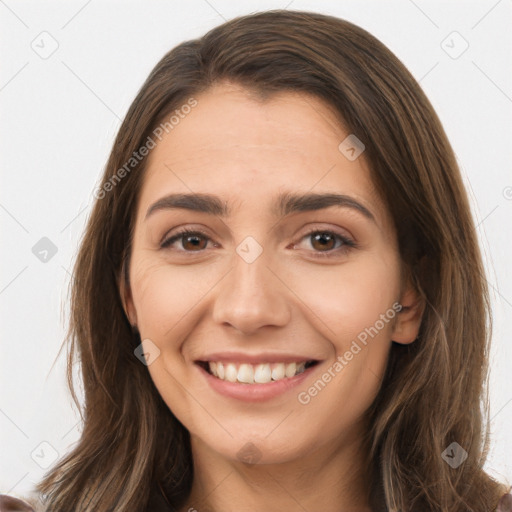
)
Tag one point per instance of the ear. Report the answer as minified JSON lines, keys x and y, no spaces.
{"x":408,"y":319}
{"x":125,"y":293}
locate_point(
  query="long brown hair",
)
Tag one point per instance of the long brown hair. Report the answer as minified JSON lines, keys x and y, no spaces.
{"x":434,"y":392}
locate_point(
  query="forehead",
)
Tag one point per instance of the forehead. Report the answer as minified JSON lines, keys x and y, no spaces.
{"x":237,"y":146}
{"x":230,"y":116}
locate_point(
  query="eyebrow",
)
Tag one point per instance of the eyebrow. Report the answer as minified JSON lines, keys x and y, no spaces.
{"x":284,"y":204}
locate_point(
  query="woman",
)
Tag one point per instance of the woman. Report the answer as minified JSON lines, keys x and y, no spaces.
{"x":279,"y":301}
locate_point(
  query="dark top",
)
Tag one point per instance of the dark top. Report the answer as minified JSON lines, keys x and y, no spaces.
{"x":159,"y":504}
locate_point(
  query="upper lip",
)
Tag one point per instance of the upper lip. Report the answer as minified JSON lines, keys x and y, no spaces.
{"x":241,"y":357}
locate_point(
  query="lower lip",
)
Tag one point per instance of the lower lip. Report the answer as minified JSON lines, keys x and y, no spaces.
{"x":255,"y":392}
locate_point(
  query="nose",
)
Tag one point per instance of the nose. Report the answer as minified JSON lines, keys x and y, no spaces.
{"x":252,"y":296}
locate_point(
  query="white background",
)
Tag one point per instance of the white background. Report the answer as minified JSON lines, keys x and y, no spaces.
{"x":59,"y":116}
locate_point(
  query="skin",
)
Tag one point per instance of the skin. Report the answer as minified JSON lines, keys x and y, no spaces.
{"x":192,"y":303}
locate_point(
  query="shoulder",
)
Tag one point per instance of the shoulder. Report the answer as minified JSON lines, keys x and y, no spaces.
{"x":11,"y":504}
{"x":505,"y":503}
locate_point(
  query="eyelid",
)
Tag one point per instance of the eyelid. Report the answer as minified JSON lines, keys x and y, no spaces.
{"x":348,"y":242}
{"x":313,"y":227}
{"x":180,"y":232}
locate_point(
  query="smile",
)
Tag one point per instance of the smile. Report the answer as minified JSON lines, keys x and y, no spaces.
{"x":262,"y":373}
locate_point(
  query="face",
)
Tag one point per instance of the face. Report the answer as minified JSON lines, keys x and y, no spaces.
{"x":301,"y":296}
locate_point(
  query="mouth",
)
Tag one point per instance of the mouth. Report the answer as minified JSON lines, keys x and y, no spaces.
{"x":250,"y":374}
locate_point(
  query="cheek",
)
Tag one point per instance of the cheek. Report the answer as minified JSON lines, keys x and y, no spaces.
{"x":346,"y":299}
{"x":166,"y":298}
{"x":158,"y":303}
{"x":352,"y":308}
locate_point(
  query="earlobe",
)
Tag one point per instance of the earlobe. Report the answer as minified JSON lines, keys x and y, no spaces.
{"x":409,"y":318}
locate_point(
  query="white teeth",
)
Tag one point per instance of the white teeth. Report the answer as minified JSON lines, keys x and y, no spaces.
{"x":262,"y":373}
{"x":246,"y":374}
{"x":278,"y":372}
{"x":231,"y":372}
{"x":290,"y":369}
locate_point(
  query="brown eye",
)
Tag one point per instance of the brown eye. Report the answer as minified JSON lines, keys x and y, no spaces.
{"x":328,"y":243}
{"x":191,"y":241}
{"x":323,"y":241}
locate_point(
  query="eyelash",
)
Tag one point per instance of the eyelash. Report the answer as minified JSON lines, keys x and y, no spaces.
{"x":347,"y":243}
